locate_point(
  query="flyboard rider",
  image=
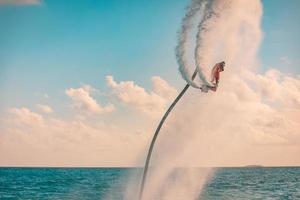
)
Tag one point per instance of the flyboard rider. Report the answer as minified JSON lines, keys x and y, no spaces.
{"x":215,"y":77}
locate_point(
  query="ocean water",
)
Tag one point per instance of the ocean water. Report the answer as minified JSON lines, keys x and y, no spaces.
{"x":110,"y":183}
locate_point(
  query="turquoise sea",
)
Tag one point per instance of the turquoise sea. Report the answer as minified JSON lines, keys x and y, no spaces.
{"x":109,"y":183}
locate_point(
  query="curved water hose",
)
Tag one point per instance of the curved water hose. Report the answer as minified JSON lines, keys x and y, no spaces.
{"x":156,"y":134}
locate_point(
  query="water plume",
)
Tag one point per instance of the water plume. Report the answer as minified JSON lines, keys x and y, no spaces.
{"x":225,"y":30}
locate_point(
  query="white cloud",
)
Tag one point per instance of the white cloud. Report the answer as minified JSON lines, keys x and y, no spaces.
{"x":244,"y":117}
{"x":45,"y":108}
{"x":277,"y":87}
{"x":81,"y":141}
{"x":28,"y":139}
{"x":83,"y":100}
{"x":25,"y":116}
{"x":21,"y":2}
{"x":152,"y":102}
{"x":163,"y":88}
{"x":285,"y":60}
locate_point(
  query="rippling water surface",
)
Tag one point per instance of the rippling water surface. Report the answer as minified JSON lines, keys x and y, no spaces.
{"x":110,"y":183}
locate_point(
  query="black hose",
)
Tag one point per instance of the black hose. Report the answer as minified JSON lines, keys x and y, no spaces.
{"x":142,"y":186}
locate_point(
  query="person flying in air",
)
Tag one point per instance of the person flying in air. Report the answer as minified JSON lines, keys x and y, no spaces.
{"x":215,"y":73}
{"x":215,"y":77}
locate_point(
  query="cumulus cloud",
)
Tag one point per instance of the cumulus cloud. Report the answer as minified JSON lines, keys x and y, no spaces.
{"x":251,"y":114}
{"x":278,"y":89}
{"x":49,"y":141}
{"x":28,"y":139}
{"x":25,"y":116}
{"x":45,"y":108}
{"x":163,"y":88}
{"x":152,"y":102}
{"x":83,"y":100}
{"x":21,"y":2}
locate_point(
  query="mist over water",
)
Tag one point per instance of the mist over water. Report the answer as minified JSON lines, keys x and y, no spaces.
{"x":110,"y":184}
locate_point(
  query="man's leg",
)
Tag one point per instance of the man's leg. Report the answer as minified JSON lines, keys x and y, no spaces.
{"x":217,"y":82}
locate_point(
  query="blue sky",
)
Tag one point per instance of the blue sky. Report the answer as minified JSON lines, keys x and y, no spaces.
{"x":58,"y":45}
{"x":281,"y":35}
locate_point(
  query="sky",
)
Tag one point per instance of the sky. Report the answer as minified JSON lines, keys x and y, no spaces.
{"x":80,"y":81}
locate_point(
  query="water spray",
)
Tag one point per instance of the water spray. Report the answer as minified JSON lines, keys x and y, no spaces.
{"x":202,"y":9}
